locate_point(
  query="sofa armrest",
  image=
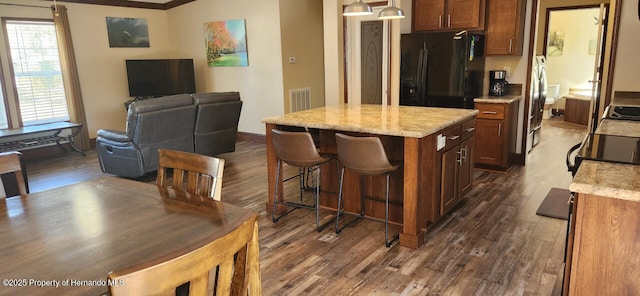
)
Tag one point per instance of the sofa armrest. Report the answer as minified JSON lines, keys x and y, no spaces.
{"x":113,"y":135}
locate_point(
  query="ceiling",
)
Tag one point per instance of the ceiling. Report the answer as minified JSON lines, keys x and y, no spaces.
{"x":150,"y":4}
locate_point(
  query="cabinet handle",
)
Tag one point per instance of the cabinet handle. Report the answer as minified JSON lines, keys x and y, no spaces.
{"x":459,"y":157}
{"x":469,"y":129}
{"x":463,"y":156}
{"x":572,"y":198}
{"x":453,"y":138}
{"x":448,"y":20}
{"x":440,"y":21}
{"x":489,"y":112}
{"x":499,"y":129}
{"x":511,"y":45}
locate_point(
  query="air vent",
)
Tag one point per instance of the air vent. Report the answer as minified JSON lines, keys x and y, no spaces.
{"x":299,"y":99}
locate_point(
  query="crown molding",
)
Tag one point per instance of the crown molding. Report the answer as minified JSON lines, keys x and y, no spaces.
{"x":132,"y":4}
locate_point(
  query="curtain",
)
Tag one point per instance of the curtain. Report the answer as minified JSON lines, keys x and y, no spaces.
{"x":70,"y":74}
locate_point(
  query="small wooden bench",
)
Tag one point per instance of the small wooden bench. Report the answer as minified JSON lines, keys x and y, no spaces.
{"x":39,"y":135}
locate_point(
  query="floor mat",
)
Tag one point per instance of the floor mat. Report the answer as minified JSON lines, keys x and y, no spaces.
{"x":555,"y":204}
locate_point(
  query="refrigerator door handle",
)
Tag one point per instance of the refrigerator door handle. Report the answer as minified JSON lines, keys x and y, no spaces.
{"x":422,"y":75}
{"x":420,"y":78}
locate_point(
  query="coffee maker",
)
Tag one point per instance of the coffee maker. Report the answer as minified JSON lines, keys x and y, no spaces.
{"x":497,"y":83}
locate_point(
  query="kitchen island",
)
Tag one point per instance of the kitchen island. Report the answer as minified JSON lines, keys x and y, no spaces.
{"x":434,"y":146}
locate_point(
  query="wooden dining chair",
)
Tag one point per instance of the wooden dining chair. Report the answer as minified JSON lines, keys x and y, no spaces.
{"x":10,"y":162}
{"x":234,"y":258}
{"x":194,"y":173}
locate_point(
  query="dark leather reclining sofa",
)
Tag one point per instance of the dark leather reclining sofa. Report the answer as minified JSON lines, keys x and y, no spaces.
{"x":204,"y":123}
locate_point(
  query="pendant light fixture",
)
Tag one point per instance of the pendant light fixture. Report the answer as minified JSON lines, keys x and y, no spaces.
{"x":357,"y":8}
{"x":391,"y":11}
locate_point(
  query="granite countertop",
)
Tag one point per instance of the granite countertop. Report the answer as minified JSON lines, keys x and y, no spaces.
{"x":619,"y":128}
{"x":498,"y":100}
{"x":403,"y":121}
{"x":614,"y":180}
{"x":582,"y":96}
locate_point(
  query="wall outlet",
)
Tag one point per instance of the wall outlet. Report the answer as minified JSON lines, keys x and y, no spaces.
{"x":442,"y":141}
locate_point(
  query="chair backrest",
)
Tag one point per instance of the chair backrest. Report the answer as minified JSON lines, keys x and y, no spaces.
{"x":295,"y":148}
{"x":161,"y":123}
{"x":365,"y":155}
{"x":234,"y":257}
{"x":193,"y":173}
{"x":10,"y":163}
{"x":217,"y":118}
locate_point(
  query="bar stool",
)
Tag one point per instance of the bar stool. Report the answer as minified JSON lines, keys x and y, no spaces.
{"x":297,"y":149}
{"x":366,"y":156}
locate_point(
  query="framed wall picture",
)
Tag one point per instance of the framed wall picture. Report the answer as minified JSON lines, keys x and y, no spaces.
{"x":226,"y":43}
{"x":127,"y":32}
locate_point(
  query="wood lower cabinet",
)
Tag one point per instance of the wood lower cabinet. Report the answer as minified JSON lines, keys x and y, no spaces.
{"x":435,"y":15}
{"x":457,"y":165}
{"x":496,"y":134}
{"x":505,"y":27}
{"x":577,"y":111}
{"x":602,"y":247}
{"x":489,"y":145}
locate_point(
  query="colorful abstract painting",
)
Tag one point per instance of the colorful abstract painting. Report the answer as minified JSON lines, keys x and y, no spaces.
{"x":226,"y":43}
{"x":127,"y":32}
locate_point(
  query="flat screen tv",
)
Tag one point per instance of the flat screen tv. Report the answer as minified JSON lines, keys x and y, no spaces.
{"x":160,"y":77}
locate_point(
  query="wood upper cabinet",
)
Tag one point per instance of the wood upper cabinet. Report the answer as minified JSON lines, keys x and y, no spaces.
{"x":434,"y":15}
{"x":505,"y":27}
{"x":428,"y":14}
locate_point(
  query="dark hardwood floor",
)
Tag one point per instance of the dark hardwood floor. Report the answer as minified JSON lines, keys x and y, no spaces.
{"x":492,"y":244}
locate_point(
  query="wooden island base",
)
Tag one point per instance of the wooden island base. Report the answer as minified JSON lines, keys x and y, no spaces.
{"x":429,"y":184}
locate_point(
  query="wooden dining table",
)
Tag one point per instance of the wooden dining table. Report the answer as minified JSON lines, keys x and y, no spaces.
{"x":66,"y":240}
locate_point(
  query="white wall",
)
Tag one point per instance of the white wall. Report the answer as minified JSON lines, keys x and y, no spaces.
{"x":333,"y":62}
{"x":260,"y":84}
{"x":103,"y":76}
{"x":176,"y":33}
{"x":102,"y":69}
{"x":627,"y":71}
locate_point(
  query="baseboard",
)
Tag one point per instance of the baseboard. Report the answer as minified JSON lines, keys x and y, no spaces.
{"x":518,"y":158}
{"x":256,"y":138}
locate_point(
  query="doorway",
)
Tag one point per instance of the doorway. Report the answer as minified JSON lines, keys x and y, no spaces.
{"x":573,"y":46}
{"x":366,"y":42}
{"x":371,"y":62}
{"x":604,"y":53}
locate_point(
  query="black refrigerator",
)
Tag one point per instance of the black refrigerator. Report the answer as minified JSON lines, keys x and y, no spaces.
{"x":442,"y":69}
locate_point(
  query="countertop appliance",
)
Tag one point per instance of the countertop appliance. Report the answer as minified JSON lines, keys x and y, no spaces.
{"x":608,"y":148}
{"x":538,"y":98}
{"x":497,"y":83}
{"x":441,"y":69}
{"x":622,"y":112}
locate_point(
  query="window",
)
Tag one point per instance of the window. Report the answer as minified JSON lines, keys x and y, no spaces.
{"x":4,"y":123}
{"x":37,"y":72}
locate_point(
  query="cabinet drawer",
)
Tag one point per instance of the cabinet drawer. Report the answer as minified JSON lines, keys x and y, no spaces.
{"x":468,"y":129}
{"x":490,"y":111}
{"x":453,"y":137}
